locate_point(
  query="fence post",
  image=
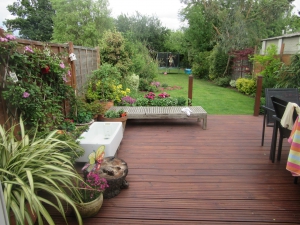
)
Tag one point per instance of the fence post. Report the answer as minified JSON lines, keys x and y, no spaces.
{"x":73,"y":69}
{"x":258,"y":95}
{"x":190,"y":92}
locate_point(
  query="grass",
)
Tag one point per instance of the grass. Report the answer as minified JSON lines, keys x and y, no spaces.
{"x":214,"y":99}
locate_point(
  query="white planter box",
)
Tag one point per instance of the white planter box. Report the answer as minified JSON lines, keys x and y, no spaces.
{"x":109,"y":134}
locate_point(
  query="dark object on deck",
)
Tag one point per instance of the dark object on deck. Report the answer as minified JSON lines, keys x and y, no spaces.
{"x":115,"y":171}
{"x":287,"y":94}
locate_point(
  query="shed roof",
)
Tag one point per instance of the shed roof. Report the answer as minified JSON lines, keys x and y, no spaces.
{"x":283,"y":36}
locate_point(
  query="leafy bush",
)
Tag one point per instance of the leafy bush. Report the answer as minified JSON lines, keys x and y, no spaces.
{"x":163,"y":102}
{"x":271,"y":65}
{"x":246,"y":86}
{"x":222,"y":81}
{"x":141,"y":101}
{"x":218,"y":62}
{"x":232,"y":83}
{"x":201,"y":65}
{"x":133,"y":82}
{"x":144,"y":84}
{"x":181,"y":101}
{"x":289,"y":75}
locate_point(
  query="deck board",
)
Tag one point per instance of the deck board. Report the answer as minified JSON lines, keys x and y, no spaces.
{"x":180,"y":174}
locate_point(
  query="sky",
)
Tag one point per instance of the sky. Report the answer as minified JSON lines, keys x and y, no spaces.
{"x":165,"y":10}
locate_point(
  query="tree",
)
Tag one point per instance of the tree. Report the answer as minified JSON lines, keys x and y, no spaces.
{"x":239,"y":24}
{"x":81,"y":21}
{"x":33,"y":21}
{"x":146,"y":29}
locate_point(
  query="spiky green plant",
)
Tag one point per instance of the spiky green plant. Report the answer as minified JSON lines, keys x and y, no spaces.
{"x":31,"y":165}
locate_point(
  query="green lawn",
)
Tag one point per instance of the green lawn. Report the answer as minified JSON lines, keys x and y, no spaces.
{"x":214,"y":99}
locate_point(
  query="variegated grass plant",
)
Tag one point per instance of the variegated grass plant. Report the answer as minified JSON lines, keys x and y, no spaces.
{"x":31,"y":165}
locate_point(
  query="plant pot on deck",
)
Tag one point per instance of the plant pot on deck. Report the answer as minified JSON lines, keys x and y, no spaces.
{"x":120,"y":119}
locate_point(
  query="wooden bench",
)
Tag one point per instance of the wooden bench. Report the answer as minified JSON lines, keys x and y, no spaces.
{"x":162,"y":112}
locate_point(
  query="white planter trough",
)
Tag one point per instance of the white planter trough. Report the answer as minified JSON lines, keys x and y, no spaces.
{"x":109,"y":134}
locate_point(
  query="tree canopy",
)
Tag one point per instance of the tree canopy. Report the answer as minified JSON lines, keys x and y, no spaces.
{"x":146,"y":29}
{"x":33,"y":19}
{"x":81,"y":21}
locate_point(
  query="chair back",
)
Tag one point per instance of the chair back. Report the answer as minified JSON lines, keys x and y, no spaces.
{"x":280,"y":106}
{"x":286,"y":94}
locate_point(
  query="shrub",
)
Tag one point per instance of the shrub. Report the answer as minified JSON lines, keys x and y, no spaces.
{"x":181,"y":101}
{"x":246,"y":86}
{"x":143,"y":85}
{"x":233,"y":83}
{"x":201,"y":65}
{"x":218,"y":62}
{"x":141,"y":101}
{"x":222,"y":81}
{"x":133,"y":82}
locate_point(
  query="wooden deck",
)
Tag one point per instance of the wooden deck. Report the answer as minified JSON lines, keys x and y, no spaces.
{"x":180,"y":174}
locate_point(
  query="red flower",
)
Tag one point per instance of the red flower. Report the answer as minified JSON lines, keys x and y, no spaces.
{"x":45,"y":70}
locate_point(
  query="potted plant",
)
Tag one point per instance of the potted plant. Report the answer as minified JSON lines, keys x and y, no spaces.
{"x":114,"y":116}
{"x":92,"y":188}
{"x":31,"y":165}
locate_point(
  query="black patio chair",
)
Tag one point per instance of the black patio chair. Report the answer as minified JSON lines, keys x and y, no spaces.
{"x":279,"y":107}
{"x":287,"y":94}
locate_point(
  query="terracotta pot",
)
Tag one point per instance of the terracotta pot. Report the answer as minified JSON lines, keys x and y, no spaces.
{"x":120,"y":119}
{"x":107,"y":104}
{"x":89,"y":209}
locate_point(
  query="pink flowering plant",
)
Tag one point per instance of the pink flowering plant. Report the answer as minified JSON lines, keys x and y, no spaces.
{"x":41,"y":85}
{"x":163,"y":95}
{"x":92,"y":187}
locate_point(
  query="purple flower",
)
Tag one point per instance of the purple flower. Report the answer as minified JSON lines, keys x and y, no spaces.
{"x":28,"y":49}
{"x":128,"y":100}
{"x":62,"y":65}
{"x":69,"y":73}
{"x":26,"y":94}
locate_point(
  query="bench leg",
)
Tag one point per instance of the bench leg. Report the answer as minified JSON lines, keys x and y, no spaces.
{"x":203,"y":123}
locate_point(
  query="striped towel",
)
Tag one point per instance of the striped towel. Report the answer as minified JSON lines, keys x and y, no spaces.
{"x":293,"y":162}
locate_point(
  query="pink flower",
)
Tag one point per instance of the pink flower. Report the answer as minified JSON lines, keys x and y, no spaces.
{"x":28,"y":49}
{"x":10,"y":37}
{"x":3,"y":39}
{"x":26,"y":94}
{"x":62,"y":65}
{"x":65,"y":79}
{"x":69,"y":73}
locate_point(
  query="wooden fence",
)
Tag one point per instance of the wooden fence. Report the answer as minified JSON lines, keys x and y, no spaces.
{"x":87,"y":60}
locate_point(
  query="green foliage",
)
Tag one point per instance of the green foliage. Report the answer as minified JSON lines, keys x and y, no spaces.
{"x":175,"y":42}
{"x":201,"y":65}
{"x":81,"y":21}
{"x":41,"y":87}
{"x":142,"y":28}
{"x":141,"y":101}
{"x":164,"y":102}
{"x":218,"y":62}
{"x":246,"y":86}
{"x":289,"y":75}
{"x":33,"y":19}
{"x":30,"y":167}
{"x":144,"y":84}
{"x":133,"y":82}
{"x":142,"y":63}
{"x":112,"y":51}
{"x":181,"y":101}
{"x":222,"y":81}
{"x":105,"y":84}
{"x":233,"y":83}
{"x":114,"y":114}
